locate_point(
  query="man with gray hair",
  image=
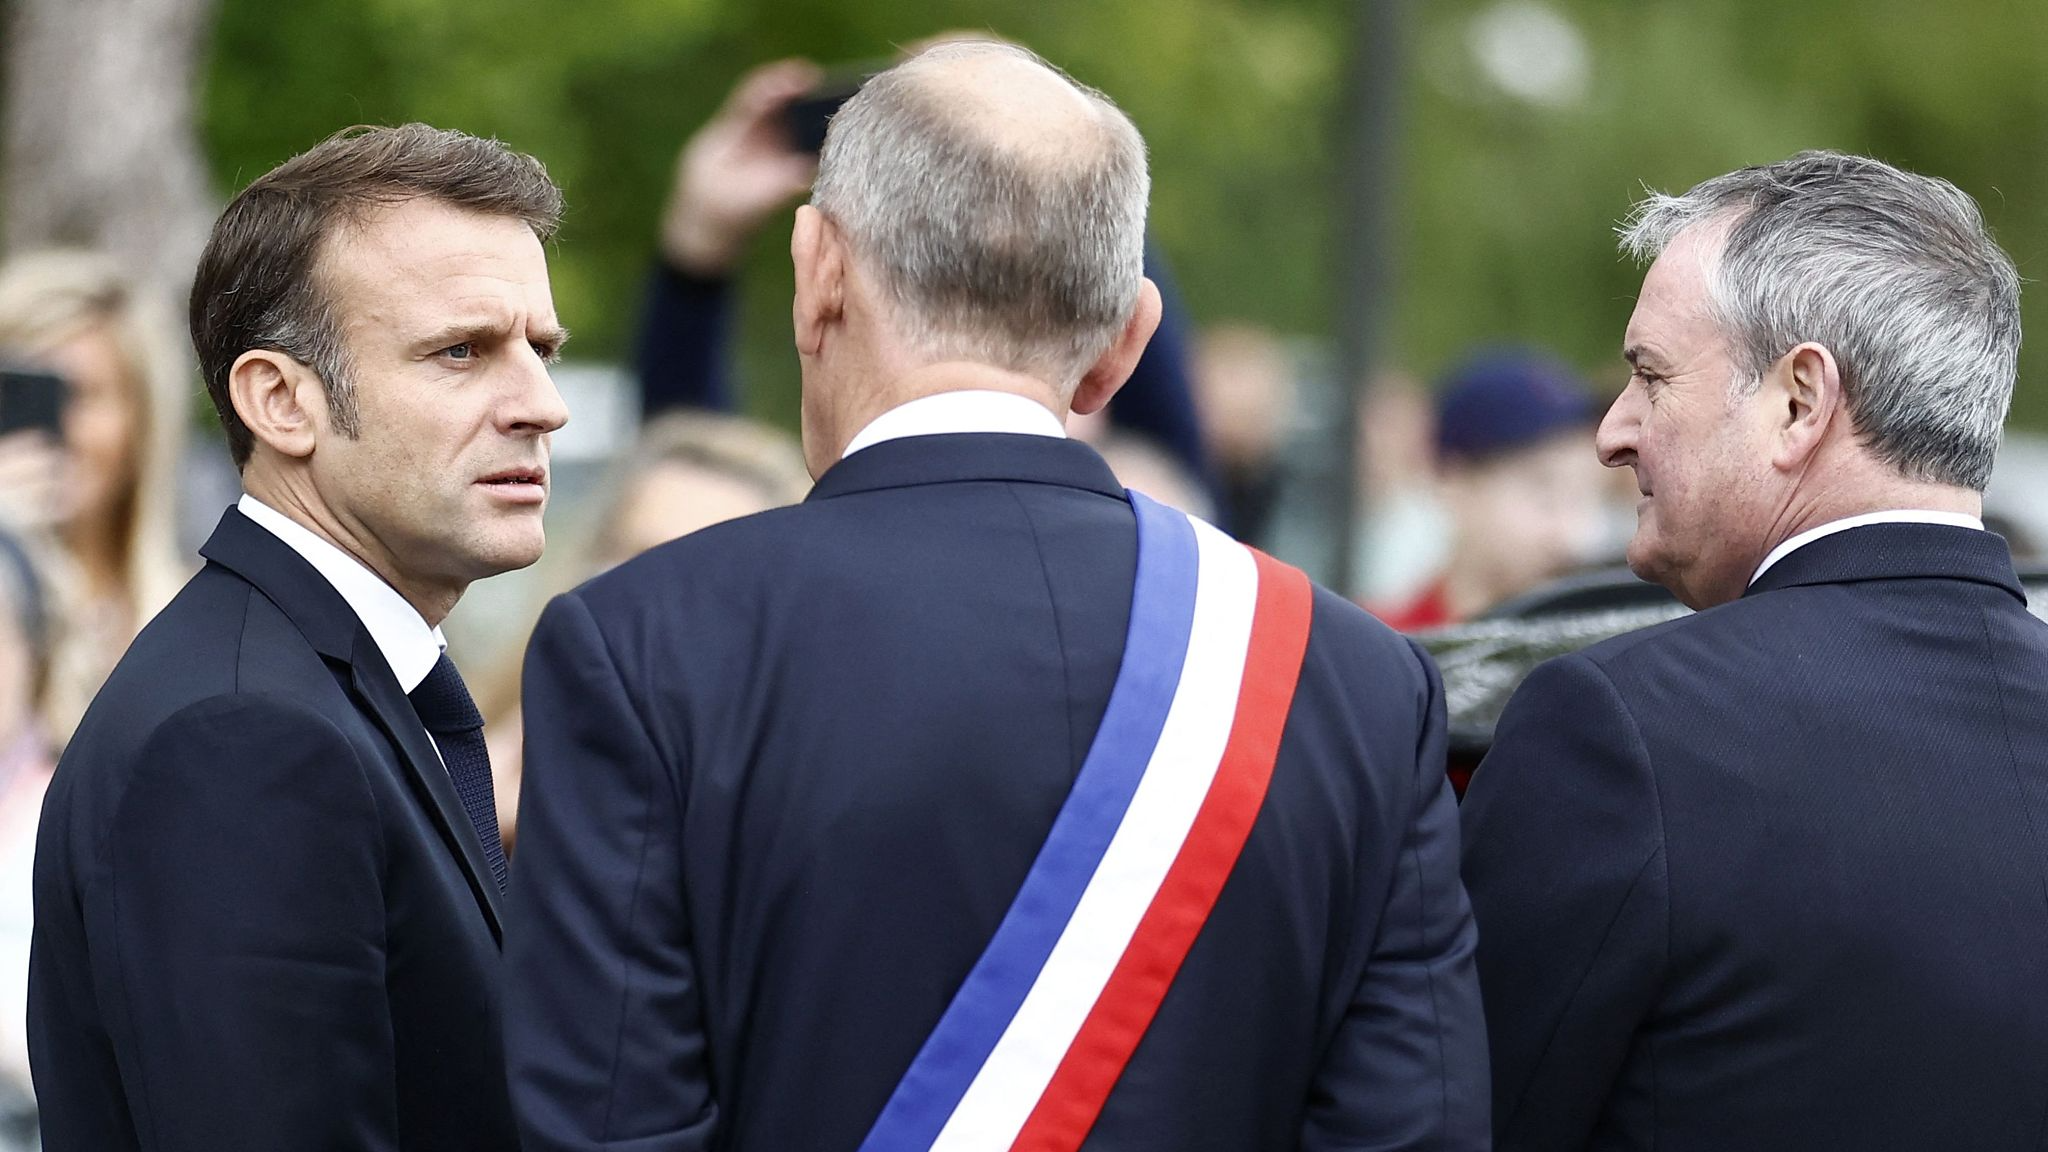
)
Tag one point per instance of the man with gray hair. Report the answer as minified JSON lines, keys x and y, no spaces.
{"x":1770,"y":876}
{"x":975,"y":803}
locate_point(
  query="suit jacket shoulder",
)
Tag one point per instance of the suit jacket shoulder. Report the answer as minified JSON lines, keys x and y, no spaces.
{"x":1788,"y":826}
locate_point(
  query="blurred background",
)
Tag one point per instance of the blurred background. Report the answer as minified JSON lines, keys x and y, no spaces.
{"x":1386,"y":228}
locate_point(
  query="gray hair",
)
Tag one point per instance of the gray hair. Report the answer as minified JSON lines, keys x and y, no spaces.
{"x":1894,"y":273}
{"x":989,"y":252}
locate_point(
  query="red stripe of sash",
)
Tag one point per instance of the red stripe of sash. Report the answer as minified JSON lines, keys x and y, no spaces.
{"x":1279,"y":637}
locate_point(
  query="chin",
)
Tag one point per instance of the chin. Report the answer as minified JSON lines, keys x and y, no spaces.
{"x":510,"y":553}
{"x":1644,"y":561}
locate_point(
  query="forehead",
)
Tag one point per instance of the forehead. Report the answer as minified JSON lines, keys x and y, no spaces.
{"x":1673,"y":306}
{"x":425,"y":255}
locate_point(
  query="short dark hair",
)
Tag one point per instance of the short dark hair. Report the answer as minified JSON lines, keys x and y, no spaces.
{"x":256,"y":286}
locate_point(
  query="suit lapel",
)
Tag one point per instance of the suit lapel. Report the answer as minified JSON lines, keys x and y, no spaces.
{"x":324,"y":618}
{"x":393,"y":711}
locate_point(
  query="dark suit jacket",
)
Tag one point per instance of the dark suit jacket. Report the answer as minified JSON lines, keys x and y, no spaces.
{"x":259,"y":919}
{"x":784,"y":776}
{"x":1775,"y":876}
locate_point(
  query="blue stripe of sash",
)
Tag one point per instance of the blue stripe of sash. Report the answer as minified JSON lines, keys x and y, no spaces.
{"x":1155,"y":648}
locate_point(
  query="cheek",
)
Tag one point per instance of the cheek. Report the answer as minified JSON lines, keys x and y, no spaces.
{"x":416,"y":448}
{"x":1678,"y":460}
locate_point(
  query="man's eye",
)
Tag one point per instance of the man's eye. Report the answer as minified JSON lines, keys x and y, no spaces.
{"x":463,"y":351}
{"x":546,"y":352}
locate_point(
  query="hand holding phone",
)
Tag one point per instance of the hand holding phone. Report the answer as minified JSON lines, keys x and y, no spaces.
{"x":32,"y":459}
{"x":806,"y":118}
{"x":739,"y":169}
{"x":31,"y":400}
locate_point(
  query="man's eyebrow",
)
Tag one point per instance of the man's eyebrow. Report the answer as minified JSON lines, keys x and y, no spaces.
{"x":464,"y":332}
{"x":1635,"y":354}
{"x":479,"y":331}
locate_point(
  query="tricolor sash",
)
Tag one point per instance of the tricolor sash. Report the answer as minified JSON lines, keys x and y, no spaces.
{"x":1032,"y":1043}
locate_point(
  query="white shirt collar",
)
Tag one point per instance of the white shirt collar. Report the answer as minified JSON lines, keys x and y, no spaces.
{"x":1891,"y":516}
{"x":409,"y":646}
{"x":971,"y":410}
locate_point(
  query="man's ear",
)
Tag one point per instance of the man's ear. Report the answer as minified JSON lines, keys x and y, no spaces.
{"x":1114,"y":367}
{"x":818,"y":251}
{"x":274,"y":396}
{"x":1803,"y":394}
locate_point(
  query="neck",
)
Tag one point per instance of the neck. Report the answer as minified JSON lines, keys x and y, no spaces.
{"x":931,"y":380}
{"x":1805,"y":511}
{"x":294,"y":495}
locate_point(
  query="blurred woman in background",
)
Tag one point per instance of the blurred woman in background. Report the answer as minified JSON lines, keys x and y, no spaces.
{"x":26,"y":759}
{"x":104,"y":488}
{"x":688,"y":470}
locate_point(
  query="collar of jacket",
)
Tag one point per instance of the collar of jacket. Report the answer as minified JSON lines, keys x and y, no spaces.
{"x":1896,"y":552}
{"x":324,"y":618}
{"x":952,"y":458}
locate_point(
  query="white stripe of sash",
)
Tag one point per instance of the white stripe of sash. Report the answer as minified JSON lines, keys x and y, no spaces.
{"x":1176,"y":781}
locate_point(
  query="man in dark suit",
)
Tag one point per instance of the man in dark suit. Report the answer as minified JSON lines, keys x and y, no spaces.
{"x":786,"y":777}
{"x":268,"y":883}
{"x":1771,"y":876}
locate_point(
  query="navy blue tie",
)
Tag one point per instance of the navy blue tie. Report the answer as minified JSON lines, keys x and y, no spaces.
{"x":444,"y":706}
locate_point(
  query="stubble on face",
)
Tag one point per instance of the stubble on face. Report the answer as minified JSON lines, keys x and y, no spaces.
{"x":449,"y":324}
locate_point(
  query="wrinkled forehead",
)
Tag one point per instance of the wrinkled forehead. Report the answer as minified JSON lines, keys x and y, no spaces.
{"x":428,"y":250}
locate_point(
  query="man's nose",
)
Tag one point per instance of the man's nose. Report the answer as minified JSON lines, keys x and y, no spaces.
{"x":1615,"y":440}
{"x":536,"y":406}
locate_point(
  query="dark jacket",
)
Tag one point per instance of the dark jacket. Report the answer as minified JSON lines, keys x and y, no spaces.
{"x":1775,"y":876}
{"x":262,"y":922}
{"x":784,"y":776}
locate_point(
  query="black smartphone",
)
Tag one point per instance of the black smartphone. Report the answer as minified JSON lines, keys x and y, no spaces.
{"x":807,"y":117}
{"x":31,"y":400}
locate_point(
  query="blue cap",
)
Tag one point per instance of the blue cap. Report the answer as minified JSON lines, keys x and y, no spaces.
{"x":1504,"y":399}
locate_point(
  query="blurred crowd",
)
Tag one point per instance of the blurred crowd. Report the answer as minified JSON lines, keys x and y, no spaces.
{"x":1474,"y":489}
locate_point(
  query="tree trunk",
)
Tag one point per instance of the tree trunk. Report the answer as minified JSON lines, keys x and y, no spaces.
{"x":101,"y":144}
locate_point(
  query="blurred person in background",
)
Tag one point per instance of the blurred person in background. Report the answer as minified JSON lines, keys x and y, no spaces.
{"x":744,"y":166}
{"x":1400,"y":536}
{"x":1516,"y":479}
{"x":106,"y":490}
{"x":268,"y":874}
{"x":686,"y":470}
{"x":1140,"y":464}
{"x":690,"y":470}
{"x":1771,"y":876}
{"x":1244,"y":388}
{"x":26,"y":758}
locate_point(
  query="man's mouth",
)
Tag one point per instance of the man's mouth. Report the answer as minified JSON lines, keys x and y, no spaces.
{"x":511,"y":477}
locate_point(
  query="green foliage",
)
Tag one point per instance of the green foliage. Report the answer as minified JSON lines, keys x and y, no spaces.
{"x":1505,"y":208}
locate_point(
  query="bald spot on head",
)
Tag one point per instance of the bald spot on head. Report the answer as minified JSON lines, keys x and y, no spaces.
{"x":1007,"y":100}
{"x":997,"y":205}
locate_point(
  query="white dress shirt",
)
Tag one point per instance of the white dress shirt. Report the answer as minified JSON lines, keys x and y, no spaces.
{"x":972,"y":410}
{"x":409,"y":646}
{"x":1893,"y":516}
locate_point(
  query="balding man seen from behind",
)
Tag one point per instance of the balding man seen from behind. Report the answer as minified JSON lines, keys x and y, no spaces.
{"x":975,"y":803}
